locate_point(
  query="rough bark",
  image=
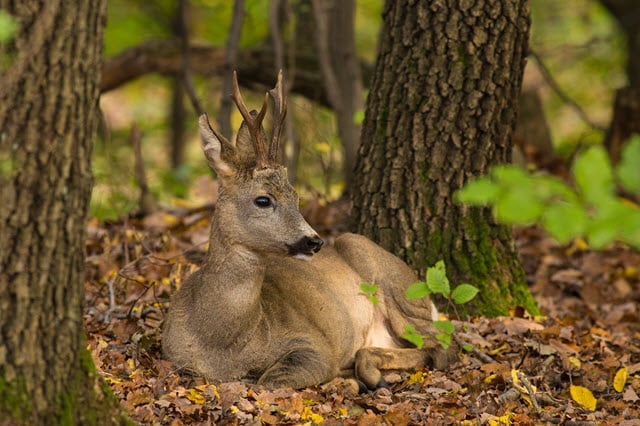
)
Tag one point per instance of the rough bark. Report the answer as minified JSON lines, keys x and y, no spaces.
{"x":442,"y":110}
{"x":48,"y":115}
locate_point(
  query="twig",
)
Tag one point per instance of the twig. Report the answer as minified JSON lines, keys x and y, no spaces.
{"x":477,"y":352}
{"x":553,"y":84}
{"x":532,"y":395}
{"x":186,"y":70}
{"x":233,"y":41}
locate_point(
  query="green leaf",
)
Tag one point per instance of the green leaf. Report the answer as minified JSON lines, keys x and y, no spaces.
{"x":8,"y":26}
{"x":480,"y":191}
{"x":467,"y":347}
{"x":370,"y":290}
{"x":437,"y":280}
{"x":628,"y":171}
{"x":518,"y":206}
{"x":417,"y":291}
{"x":411,"y":335}
{"x":444,"y":339}
{"x":463,"y":293}
{"x":444,"y":326}
{"x":602,"y":229}
{"x":593,"y":175}
{"x":565,"y":221}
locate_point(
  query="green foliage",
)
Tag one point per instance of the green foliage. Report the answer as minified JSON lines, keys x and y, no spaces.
{"x":370,"y":291}
{"x":590,"y":210}
{"x":436,"y":282}
{"x":8,"y":26}
{"x":628,"y":171}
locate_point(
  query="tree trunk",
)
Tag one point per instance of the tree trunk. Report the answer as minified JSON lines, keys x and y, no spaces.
{"x":48,"y":115}
{"x":626,"y":107}
{"x":441,"y":110}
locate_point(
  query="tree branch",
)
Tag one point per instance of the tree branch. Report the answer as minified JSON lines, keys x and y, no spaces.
{"x":257,"y":66}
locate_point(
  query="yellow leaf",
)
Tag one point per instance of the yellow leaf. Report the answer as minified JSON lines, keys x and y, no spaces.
{"x":491,"y":378}
{"x":501,"y":421}
{"x":307,"y":414}
{"x":112,"y":380}
{"x":195,"y":396}
{"x":341,"y":412}
{"x":417,"y":377}
{"x":620,"y":379}
{"x":322,"y":147}
{"x":575,"y":362}
{"x":631,"y":272}
{"x":583,"y":396}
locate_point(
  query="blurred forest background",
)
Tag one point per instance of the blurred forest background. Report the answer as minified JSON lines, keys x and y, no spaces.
{"x":577,"y":62}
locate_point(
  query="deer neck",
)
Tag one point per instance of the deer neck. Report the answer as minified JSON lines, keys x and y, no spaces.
{"x":232,"y":287}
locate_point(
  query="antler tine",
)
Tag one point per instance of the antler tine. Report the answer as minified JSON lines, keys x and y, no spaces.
{"x":253,"y":123}
{"x":278,"y":117}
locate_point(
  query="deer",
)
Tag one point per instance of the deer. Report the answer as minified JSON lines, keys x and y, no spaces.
{"x":271,"y":303}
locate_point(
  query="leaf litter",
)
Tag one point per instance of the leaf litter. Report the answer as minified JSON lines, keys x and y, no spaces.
{"x":579,"y":364}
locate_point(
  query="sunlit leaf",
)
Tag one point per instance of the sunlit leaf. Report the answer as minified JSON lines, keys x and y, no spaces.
{"x":565,"y":221}
{"x":437,"y":280}
{"x":307,"y":414}
{"x":195,"y":396}
{"x":593,"y":175}
{"x":627,"y":169}
{"x":575,"y":362}
{"x":518,"y":206}
{"x":411,"y":335}
{"x":370,"y":290}
{"x":444,"y":339}
{"x":444,"y":326}
{"x":417,"y":291}
{"x":417,"y":377}
{"x":583,"y":396}
{"x":620,"y":379}
{"x":463,"y":293}
{"x":480,"y":191}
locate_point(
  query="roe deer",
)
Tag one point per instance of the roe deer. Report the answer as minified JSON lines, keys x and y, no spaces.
{"x":268,"y":305}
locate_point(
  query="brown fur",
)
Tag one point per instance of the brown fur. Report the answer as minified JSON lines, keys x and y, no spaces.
{"x":254,"y":312}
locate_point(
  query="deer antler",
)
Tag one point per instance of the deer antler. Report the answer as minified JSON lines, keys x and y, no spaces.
{"x":279,"y":114}
{"x":254,"y":123}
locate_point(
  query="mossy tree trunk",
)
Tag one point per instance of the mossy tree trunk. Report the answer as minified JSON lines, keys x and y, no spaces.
{"x":442,"y":110}
{"x":49,"y":75}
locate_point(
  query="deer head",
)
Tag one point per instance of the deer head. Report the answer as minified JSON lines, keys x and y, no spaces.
{"x":257,"y":209}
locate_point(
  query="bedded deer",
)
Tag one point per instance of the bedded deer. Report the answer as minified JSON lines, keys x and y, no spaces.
{"x":271,"y":304}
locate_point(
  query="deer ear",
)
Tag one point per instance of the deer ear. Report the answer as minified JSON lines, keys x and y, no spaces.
{"x":217,"y":149}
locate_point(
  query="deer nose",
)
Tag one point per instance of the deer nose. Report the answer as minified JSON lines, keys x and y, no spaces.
{"x":306,"y":246}
{"x":314,"y":244}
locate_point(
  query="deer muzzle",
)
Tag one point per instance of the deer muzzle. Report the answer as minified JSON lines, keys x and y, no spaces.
{"x":305,"y":247}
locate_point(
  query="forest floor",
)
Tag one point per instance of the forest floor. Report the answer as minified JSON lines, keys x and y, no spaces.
{"x":579,"y":364}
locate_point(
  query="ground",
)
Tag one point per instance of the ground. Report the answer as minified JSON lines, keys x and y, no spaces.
{"x":522,"y":370}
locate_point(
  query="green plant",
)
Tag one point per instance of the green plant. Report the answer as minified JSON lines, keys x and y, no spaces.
{"x":436,"y":282}
{"x":370,"y":292}
{"x":590,"y":209}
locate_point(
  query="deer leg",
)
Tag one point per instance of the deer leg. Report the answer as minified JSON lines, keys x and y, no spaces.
{"x":370,"y":361}
{"x":298,"y":368}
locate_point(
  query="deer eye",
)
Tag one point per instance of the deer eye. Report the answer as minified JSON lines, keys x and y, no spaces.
{"x":262,"y":202}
